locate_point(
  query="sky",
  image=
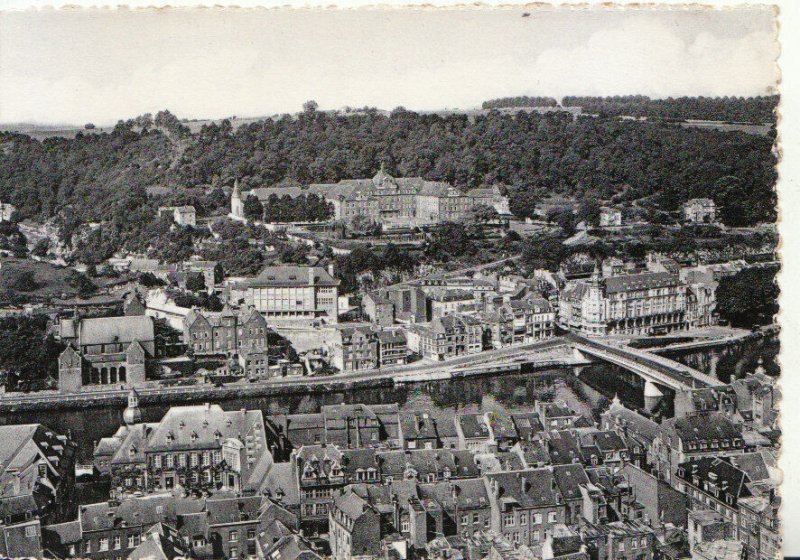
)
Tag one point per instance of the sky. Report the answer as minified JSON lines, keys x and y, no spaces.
{"x":102,"y":65}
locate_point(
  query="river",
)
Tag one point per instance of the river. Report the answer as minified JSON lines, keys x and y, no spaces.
{"x":587,"y":393}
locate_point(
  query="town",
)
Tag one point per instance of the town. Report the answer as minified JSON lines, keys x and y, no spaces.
{"x":234,"y":369}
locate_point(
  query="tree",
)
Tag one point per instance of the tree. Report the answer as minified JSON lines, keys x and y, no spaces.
{"x":749,"y":297}
{"x":21,"y":280}
{"x":543,"y":252}
{"x":589,"y":212}
{"x":310,"y":106}
{"x":41,"y":247}
{"x":253,"y":209}
{"x":522,"y":203}
{"x":196,"y":282}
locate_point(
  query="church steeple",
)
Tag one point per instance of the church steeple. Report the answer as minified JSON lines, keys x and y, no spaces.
{"x":132,"y":414}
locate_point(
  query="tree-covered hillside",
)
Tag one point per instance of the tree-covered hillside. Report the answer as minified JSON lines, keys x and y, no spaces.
{"x":103,"y":176}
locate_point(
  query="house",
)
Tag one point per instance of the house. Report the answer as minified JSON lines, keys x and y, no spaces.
{"x":448,"y":337}
{"x":355,"y":348}
{"x":699,"y":211}
{"x":473,"y":432}
{"x":238,"y":334}
{"x":37,"y":480}
{"x":526,"y":505}
{"x":181,"y":215}
{"x":201,"y":449}
{"x":610,"y":217}
{"x":378,"y":308}
{"x":703,"y":434}
{"x":105,"y":351}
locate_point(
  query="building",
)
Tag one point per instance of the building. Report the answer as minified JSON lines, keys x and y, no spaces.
{"x":37,"y":477}
{"x":633,"y":304}
{"x":619,"y":540}
{"x":444,"y":302}
{"x":695,"y":436}
{"x":344,"y":425}
{"x":241,"y":335}
{"x":364,"y":347}
{"x":199,"y":449}
{"x":446,"y":337}
{"x":6,"y":211}
{"x":610,"y":217}
{"x":105,"y":351}
{"x":237,"y":204}
{"x":526,"y":505}
{"x":699,"y":211}
{"x":395,"y":202}
{"x":211,"y":527}
{"x":181,"y":215}
{"x":531,"y":319}
{"x":378,"y":308}
{"x":291,"y":293}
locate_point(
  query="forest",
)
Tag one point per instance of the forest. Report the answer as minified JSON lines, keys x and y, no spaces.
{"x":104,"y":177}
{"x":730,"y":109}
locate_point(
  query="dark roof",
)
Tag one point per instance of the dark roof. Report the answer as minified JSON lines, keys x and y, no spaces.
{"x":292,"y":276}
{"x":529,"y":488}
{"x":644,"y":281}
{"x":716,"y":471}
{"x":473,"y":426}
{"x":569,"y":479}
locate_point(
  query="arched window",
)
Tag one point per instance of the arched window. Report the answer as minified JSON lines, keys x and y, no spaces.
{"x":121,"y":375}
{"x":104,"y":376}
{"x":112,"y":375}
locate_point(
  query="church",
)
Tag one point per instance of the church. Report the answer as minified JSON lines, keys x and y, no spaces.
{"x":104,"y":351}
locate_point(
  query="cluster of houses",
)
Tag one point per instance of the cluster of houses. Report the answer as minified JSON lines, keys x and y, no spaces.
{"x":371,"y":481}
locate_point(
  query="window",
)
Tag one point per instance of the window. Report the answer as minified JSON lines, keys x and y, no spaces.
{"x":157,"y":461}
{"x":193,"y":460}
{"x":552,"y":517}
{"x":169,"y":461}
{"x":206,"y":458}
{"x":405,"y":526}
{"x":233,"y":536}
{"x":508,"y":520}
{"x":182,"y":460}
{"x":103,"y":544}
{"x":621,"y":546}
{"x":251,"y":533}
{"x":536,"y":519}
{"x":464,"y":519}
{"x":130,"y":542}
{"x":234,"y":552}
{"x":87,"y":547}
{"x":30,"y":531}
{"x":523,"y":518}
{"x":117,"y":542}
{"x":536,"y":536}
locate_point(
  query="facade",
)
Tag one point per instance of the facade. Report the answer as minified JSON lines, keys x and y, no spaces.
{"x":104,"y":351}
{"x":241,"y":335}
{"x":526,"y":505}
{"x":634,"y":304}
{"x":610,"y":217}
{"x":199,"y":449}
{"x":364,"y":347}
{"x":37,"y":477}
{"x":447,"y":337}
{"x":181,"y":215}
{"x":699,"y":211}
{"x":391,"y":201}
{"x":290,"y":293}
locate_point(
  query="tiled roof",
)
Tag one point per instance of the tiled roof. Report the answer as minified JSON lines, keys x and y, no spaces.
{"x":104,"y":330}
{"x":644,"y":281}
{"x":292,"y":276}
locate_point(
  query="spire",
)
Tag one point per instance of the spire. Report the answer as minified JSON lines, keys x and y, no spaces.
{"x":132,"y":414}
{"x":236,"y":192}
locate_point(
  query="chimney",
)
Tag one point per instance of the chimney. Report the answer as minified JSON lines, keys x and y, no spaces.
{"x":330,"y":269}
{"x":311,"y":275}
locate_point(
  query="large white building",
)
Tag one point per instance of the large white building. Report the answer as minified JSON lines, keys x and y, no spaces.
{"x":294,"y":293}
{"x":644,"y":303}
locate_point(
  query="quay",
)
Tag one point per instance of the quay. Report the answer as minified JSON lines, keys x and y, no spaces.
{"x":562,"y":351}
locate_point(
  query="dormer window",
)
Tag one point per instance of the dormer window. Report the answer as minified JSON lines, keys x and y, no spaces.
{"x":217,"y":434}
{"x":205,"y":424}
{"x":194,"y":436}
{"x":170,"y":437}
{"x":182,"y":424}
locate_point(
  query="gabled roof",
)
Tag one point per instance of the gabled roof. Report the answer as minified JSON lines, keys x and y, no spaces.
{"x":285,"y":275}
{"x":105,"y":330}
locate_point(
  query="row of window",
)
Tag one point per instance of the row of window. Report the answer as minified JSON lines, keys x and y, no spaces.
{"x":115,"y":543}
{"x":169,"y":460}
{"x":511,"y":519}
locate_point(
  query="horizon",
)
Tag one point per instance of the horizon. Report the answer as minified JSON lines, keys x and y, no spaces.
{"x":212,"y":64}
{"x":111,"y":123}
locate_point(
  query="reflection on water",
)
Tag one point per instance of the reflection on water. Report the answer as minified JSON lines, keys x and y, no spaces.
{"x":733,"y":361}
{"x":586,"y":393}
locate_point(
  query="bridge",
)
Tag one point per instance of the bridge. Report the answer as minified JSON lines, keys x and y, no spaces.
{"x":656,"y":371}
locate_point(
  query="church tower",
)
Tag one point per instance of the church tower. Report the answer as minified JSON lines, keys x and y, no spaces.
{"x":237,"y":206}
{"x":132,"y":414}
{"x":70,"y":371}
